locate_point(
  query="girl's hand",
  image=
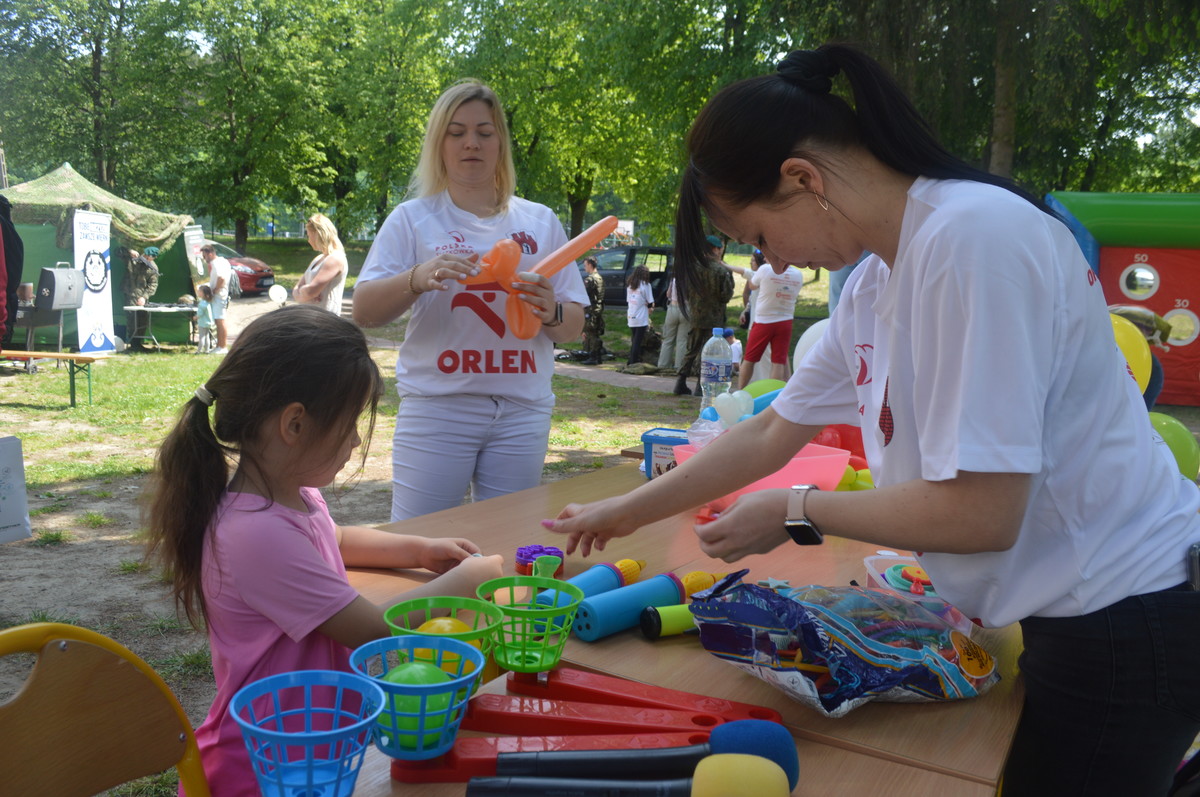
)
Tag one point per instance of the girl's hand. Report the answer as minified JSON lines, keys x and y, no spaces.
{"x":433,"y":275}
{"x":536,"y":291}
{"x":470,"y":573}
{"x":589,"y":526}
{"x":753,"y":524}
{"x":439,"y":555}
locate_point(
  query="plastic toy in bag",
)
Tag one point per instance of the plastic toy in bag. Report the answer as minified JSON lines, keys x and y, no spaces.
{"x":835,"y":648}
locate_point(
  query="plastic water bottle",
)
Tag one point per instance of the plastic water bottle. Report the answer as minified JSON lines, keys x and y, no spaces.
{"x":716,"y":367}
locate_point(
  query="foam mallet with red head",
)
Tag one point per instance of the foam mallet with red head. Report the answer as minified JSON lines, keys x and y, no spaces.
{"x":754,"y":737}
{"x":725,"y":775}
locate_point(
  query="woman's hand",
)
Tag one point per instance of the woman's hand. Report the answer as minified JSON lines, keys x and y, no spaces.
{"x":439,"y":555}
{"x":434,"y":274}
{"x":589,"y":526}
{"x":536,"y":291}
{"x":753,"y":524}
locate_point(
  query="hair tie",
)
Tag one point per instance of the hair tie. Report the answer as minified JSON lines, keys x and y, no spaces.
{"x":205,"y":397}
{"x":809,"y":69}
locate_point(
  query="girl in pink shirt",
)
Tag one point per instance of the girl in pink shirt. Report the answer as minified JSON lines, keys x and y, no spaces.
{"x":255,"y":556}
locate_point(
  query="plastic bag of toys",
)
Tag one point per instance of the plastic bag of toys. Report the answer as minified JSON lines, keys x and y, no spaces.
{"x":835,"y":648}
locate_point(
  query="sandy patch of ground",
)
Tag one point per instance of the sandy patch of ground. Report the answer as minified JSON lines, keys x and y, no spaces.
{"x":94,"y":578}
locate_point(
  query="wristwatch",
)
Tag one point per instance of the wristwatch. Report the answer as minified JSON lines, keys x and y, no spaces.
{"x":557,"y":316}
{"x":802,"y":530}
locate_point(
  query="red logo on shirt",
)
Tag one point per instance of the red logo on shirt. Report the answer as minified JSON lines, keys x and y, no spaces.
{"x":457,"y":236}
{"x":529,"y":244}
{"x":886,"y":423}
{"x":862,"y":351}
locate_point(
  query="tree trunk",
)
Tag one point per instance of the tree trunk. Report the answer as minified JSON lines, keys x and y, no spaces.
{"x":1004,"y":109}
{"x":578,"y":197}
{"x":241,"y":233}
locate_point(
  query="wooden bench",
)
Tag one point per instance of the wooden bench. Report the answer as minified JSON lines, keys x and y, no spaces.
{"x":77,"y":362}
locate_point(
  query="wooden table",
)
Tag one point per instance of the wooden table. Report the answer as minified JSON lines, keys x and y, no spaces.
{"x":955,"y":748}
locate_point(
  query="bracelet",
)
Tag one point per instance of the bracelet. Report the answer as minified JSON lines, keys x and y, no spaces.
{"x":557,"y":316}
{"x":412,"y":272}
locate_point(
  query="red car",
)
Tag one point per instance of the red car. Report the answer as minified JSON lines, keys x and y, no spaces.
{"x":253,"y":275}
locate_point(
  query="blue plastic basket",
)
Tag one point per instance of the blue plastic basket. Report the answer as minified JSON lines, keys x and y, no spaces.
{"x":307,"y":731}
{"x":419,"y":721}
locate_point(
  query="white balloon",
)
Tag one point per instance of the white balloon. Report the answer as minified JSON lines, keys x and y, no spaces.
{"x":807,"y":340}
{"x":745,"y":402}
{"x":727,"y":409}
{"x":277,"y":293}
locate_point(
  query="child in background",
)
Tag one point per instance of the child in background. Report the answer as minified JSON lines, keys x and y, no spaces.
{"x":639,"y":301}
{"x":256,"y":557}
{"x":205,"y":330}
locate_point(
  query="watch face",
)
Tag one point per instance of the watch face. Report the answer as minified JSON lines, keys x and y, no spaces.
{"x":803,"y":532}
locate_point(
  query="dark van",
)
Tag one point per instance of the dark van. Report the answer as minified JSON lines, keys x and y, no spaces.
{"x":616,"y":264}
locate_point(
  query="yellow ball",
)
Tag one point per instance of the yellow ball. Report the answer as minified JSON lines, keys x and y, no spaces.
{"x":444,"y":625}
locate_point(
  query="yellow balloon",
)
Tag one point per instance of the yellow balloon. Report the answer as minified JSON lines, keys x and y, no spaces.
{"x":1133,"y":345}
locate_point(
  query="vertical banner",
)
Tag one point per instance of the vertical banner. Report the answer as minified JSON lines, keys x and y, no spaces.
{"x":94,"y":316}
{"x":193,"y":239}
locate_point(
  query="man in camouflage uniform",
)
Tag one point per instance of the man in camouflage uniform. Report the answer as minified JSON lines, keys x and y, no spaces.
{"x":712,"y":290}
{"x":593,"y":324}
{"x":141,"y":281}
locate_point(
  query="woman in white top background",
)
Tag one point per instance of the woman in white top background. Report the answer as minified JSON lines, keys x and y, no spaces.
{"x":639,"y":301}
{"x":324,"y":280}
{"x":475,"y":399}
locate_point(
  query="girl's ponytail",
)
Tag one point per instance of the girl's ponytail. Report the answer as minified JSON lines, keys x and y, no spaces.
{"x":190,"y":475}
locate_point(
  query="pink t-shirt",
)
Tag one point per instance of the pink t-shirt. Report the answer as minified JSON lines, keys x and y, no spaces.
{"x":270,"y":576}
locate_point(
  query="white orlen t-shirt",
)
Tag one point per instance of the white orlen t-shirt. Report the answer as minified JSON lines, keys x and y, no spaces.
{"x":458,"y":340}
{"x":988,"y":348}
{"x":775,"y":299}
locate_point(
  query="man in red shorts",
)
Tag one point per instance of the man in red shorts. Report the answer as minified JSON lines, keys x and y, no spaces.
{"x":776,"y":291}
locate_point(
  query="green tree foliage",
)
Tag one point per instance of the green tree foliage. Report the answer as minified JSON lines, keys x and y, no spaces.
{"x":98,"y":84}
{"x":223,"y":108}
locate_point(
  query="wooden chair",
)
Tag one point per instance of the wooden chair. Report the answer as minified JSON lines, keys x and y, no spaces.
{"x":92,"y":715}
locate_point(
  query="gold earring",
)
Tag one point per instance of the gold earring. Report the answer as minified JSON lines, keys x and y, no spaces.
{"x":822,"y":201}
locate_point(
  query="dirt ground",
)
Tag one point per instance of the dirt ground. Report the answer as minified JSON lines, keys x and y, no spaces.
{"x":94,"y":579}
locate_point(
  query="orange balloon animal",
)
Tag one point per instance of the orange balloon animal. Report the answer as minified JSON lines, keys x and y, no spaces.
{"x":499,"y":265}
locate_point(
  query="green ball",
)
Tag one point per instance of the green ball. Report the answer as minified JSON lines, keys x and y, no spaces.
{"x":407,"y":728}
{"x":1181,"y":441}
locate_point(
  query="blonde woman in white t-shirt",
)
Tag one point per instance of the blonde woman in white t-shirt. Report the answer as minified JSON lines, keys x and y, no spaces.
{"x":324,"y":280}
{"x":475,"y":400}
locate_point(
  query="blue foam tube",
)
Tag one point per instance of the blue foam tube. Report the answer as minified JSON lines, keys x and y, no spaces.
{"x":596,"y":579}
{"x":601,"y":615}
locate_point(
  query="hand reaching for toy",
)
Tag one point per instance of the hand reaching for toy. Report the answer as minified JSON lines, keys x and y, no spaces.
{"x":439,"y":555}
{"x":753,"y":524}
{"x":591,"y":526}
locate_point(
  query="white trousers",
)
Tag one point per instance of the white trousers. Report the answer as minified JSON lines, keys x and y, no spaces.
{"x":445,"y":444}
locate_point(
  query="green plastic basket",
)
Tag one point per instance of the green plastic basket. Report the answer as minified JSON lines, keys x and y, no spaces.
{"x":481,"y":617}
{"x":532,"y":635}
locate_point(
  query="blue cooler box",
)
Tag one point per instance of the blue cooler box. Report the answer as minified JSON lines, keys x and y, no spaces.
{"x":659,"y":449}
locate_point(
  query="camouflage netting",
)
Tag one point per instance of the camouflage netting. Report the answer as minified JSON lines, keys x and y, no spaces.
{"x":53,"y":199}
